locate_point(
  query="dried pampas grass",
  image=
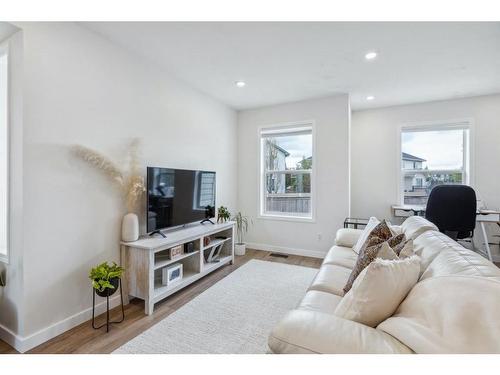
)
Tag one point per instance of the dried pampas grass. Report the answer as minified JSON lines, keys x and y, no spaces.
{"x":134,"y":186}
{"x":99,"y":161}
{"x":131,"y":183}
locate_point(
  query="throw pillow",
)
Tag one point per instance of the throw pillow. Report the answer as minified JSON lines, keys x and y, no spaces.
{"x":375,"y":247}
{"x":372,"y":223}
{"x":379,"y":290}
{"x":374,"y":228}
{"x":396,"y":241}
{"x":406,"y":251}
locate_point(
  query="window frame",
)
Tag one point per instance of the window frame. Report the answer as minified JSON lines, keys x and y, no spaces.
{"x":5,"y":50}
{"x":468,"y":155}
{"x":262,"y":173}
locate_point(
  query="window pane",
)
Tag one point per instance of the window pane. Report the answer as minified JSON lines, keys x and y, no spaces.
{"x":431,"y":158}
{"x":287,"y":191}
{"x":288,"y":183}
{"x":439,"y":149}
{"x":289,"y":152}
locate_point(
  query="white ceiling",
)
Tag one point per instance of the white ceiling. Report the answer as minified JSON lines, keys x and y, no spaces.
{"x":282,"y":62}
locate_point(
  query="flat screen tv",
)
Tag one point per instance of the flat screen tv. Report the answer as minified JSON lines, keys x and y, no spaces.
{"x":178,"y":196}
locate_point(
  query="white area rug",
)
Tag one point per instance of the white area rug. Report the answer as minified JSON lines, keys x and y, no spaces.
{"x":233,"y":316}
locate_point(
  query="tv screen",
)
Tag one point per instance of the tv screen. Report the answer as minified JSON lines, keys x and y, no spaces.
{"x":178,"y":196}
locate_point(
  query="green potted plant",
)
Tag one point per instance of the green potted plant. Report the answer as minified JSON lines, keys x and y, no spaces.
{"x":241,"y":228}
{"x":105,"y":278}
{"x":223,"y":214}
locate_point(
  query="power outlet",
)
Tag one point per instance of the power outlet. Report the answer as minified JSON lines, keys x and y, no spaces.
{"x":320,"y":236}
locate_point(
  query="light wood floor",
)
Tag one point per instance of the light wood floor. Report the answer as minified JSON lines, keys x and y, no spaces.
{"x":84,"y":339}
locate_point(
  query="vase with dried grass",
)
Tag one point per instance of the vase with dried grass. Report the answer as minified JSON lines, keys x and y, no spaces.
{"x":130,"y":183}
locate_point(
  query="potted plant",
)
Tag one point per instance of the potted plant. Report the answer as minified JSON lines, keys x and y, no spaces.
{"x":223,"y":214}
{"x":105,"y":278}
{"x":241,"y":227}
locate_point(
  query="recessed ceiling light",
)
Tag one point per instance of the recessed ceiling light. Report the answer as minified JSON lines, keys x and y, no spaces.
{"x":240,"y":84}
{"x":370,"y":97}
{"x":371,"y":55}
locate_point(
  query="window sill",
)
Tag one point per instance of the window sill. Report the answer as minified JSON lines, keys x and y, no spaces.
{"x":300,"y":219}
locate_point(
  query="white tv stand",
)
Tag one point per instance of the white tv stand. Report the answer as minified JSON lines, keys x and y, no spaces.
{"x":143,"y":260}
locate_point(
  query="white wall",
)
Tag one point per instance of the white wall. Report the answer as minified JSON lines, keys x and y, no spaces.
{"x":11,"y":296}
{"x":81,"y":89}
{"x":331,"y":116}
{"x":374,"y":172}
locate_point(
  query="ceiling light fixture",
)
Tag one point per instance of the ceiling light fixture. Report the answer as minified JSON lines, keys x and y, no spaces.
{"x":240,"y":84}
{"x":370,"y":97}
{"x":370,"y":55}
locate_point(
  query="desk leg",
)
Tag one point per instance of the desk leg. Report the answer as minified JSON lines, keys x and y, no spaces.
{"x":486,"y":244}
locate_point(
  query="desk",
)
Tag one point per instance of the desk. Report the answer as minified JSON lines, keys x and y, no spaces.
{"x":487,"y":216}
{"x":355,"y":222}
{"x":483,"y":216}
{"x":407,"y":210}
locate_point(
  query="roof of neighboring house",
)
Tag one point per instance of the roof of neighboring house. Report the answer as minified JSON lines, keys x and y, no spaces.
{"x":411,"y":157}
{"x":282,"y":150}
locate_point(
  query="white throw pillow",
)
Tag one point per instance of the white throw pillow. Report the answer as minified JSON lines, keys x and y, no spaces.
{"x":372,"y":223}
{"x":378,"y":290}
{"x":407,"y":250}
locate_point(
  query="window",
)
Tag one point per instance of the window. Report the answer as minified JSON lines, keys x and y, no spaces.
{"x":433,"y":155}
{"x":4,"y":147}
{"x":287,"y":167}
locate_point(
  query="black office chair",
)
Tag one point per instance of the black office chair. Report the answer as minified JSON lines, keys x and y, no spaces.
{"x":453,"y":209}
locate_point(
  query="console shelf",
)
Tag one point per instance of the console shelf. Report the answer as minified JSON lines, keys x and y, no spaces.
{"x":166,"y":262}
{"x":143,"y":262}
{"x":216,"y":242}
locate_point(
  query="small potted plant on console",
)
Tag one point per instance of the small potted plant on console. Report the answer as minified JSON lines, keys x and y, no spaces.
{"x":241,"y":227}
{"x":223,"y":214}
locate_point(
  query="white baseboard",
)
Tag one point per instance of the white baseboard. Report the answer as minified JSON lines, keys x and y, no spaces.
{"x":10,"y":337}
{"x":23,"y":344}
{"x":287,"y":250}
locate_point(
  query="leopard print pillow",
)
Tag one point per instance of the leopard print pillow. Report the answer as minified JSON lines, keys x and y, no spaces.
{"x":381,"y":231}
{"x":375,"y":248}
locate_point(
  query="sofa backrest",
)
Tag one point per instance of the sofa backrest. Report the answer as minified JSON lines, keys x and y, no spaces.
{"x":454,"y":306}
{"x":442,"y":256}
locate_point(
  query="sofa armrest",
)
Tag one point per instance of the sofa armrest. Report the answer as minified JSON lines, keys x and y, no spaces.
{"x":347,"y":237}
{"x":307,"y":331}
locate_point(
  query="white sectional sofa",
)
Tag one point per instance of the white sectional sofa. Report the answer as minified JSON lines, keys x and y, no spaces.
{"x":454,"y":307}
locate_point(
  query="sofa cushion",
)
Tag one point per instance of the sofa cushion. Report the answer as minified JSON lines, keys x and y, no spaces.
{"x":331,"y":279}
{"x":414,"y":226}
{"x":460,"y":261}
{"x":341,"y":256}
{"x":378,"y":290}
{"x":320,"y":301}
{"x":374,"y":249}
{"x":428,"y":246}
{"x":306,"y":331}
{"x":449,"y":314}
{"x":347,"y":237}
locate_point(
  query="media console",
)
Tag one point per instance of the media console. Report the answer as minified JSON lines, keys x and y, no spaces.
{"x":145,"y":258}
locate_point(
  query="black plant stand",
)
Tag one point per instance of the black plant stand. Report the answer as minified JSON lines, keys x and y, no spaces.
{"x":107,"y":309}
